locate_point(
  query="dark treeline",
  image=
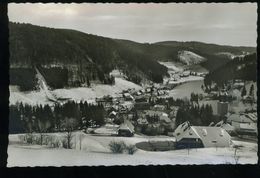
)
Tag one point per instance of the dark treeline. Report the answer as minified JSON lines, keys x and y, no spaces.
{"x":238,"y":68}
{"x":24,"y":78}
{"x":196,"y":115}
{"x":39,"y":118}
{"x":170,"y":101}
{"x":56,"y":77}
{"x":144,"y":63}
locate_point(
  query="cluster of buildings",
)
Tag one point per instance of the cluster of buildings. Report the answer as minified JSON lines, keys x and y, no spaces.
{"x":138,"y":109}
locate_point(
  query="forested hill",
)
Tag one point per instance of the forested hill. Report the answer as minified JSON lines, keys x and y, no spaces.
{"x":72,"y":58}
{"x":238,"y":68}
{"x":81,"y":57}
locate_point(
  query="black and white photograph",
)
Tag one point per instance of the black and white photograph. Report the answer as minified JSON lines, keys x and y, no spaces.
{"x":105,"y":84}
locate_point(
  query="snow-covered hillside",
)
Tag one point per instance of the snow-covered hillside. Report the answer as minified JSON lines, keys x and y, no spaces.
{"x":77,"y":94}
{"x":189,"y":58}
{"x":172,"y":66}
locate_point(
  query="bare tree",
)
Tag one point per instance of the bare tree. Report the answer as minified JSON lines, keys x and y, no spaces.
{"x":69,"y":125}
{"x":43,"y":125}
{"x":236,"y":157}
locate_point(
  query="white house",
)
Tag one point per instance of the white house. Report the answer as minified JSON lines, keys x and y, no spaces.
{"x":188,"y":136}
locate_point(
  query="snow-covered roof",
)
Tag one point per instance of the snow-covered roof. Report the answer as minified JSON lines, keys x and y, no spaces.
{"x":142,"y":121}
{"x":246,"y":126}
{"x":165,"y":118}
{"x":228,"y":127}
{"x":113,"y":113}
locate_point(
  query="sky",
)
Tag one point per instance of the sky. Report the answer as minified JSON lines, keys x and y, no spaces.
{"x":221,"y":23}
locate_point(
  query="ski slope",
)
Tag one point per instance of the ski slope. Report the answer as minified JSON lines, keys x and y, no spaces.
{"x":189,"y":58}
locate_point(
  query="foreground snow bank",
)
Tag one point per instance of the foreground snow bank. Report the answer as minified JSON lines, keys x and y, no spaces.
{"x":95,"y":152}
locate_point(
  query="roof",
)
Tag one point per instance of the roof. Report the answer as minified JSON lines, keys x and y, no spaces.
{"x":212,"y":136}
{"x":153,"y":113}
{"x":113,"y":113}
{"x":252,"y":116}
{"x":165,"y":118}
{"x":142,"y":121}
{"x":246,"y":126}
{"x":228,"y":127}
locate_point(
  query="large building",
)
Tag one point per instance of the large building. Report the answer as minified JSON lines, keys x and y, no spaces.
{"x":222,"y":108}
{"x":188,"y":136}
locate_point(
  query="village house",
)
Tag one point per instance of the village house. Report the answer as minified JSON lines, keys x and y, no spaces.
{"x":126,"y":129}
{"x":112,"y":114}
{"x":188,"y":136}
{"x":128,"y":97}
{"x":159,"y":107}
{"x":142,"y":121}
{"x":244,"y":124}
{"x":222,"y":108}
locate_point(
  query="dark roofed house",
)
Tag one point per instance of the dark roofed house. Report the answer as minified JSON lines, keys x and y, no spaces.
{"x":126,"y":129}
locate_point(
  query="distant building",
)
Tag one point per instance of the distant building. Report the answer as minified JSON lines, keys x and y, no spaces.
{"x":222,"y":108}
{"x":142,"y":121}
{"x":112,"y":114}
{"x":128,"y":97}
{"x":188,"y":136}
{"x":159,"y":107}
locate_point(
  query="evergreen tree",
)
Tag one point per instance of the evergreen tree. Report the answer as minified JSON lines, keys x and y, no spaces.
{"x":243,"y":93}
{"x":252,"y":89}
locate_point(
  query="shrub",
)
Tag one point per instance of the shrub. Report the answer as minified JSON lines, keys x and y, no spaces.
{"x":117,"y":147}
{"x":29,"y":138}
{"x":22,"y":138}
{"x":54,"y":143}
{"x":131,"y":149}
{"x":64,"y":143}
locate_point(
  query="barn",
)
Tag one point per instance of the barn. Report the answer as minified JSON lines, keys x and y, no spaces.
{"x":188,"y":136}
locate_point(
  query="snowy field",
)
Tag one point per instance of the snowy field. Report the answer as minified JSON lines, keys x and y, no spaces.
{"x":95,"y":151}
{"x":77,"y":94}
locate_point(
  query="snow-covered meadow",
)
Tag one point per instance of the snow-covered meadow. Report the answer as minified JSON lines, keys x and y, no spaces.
{"x":76,"y":94}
